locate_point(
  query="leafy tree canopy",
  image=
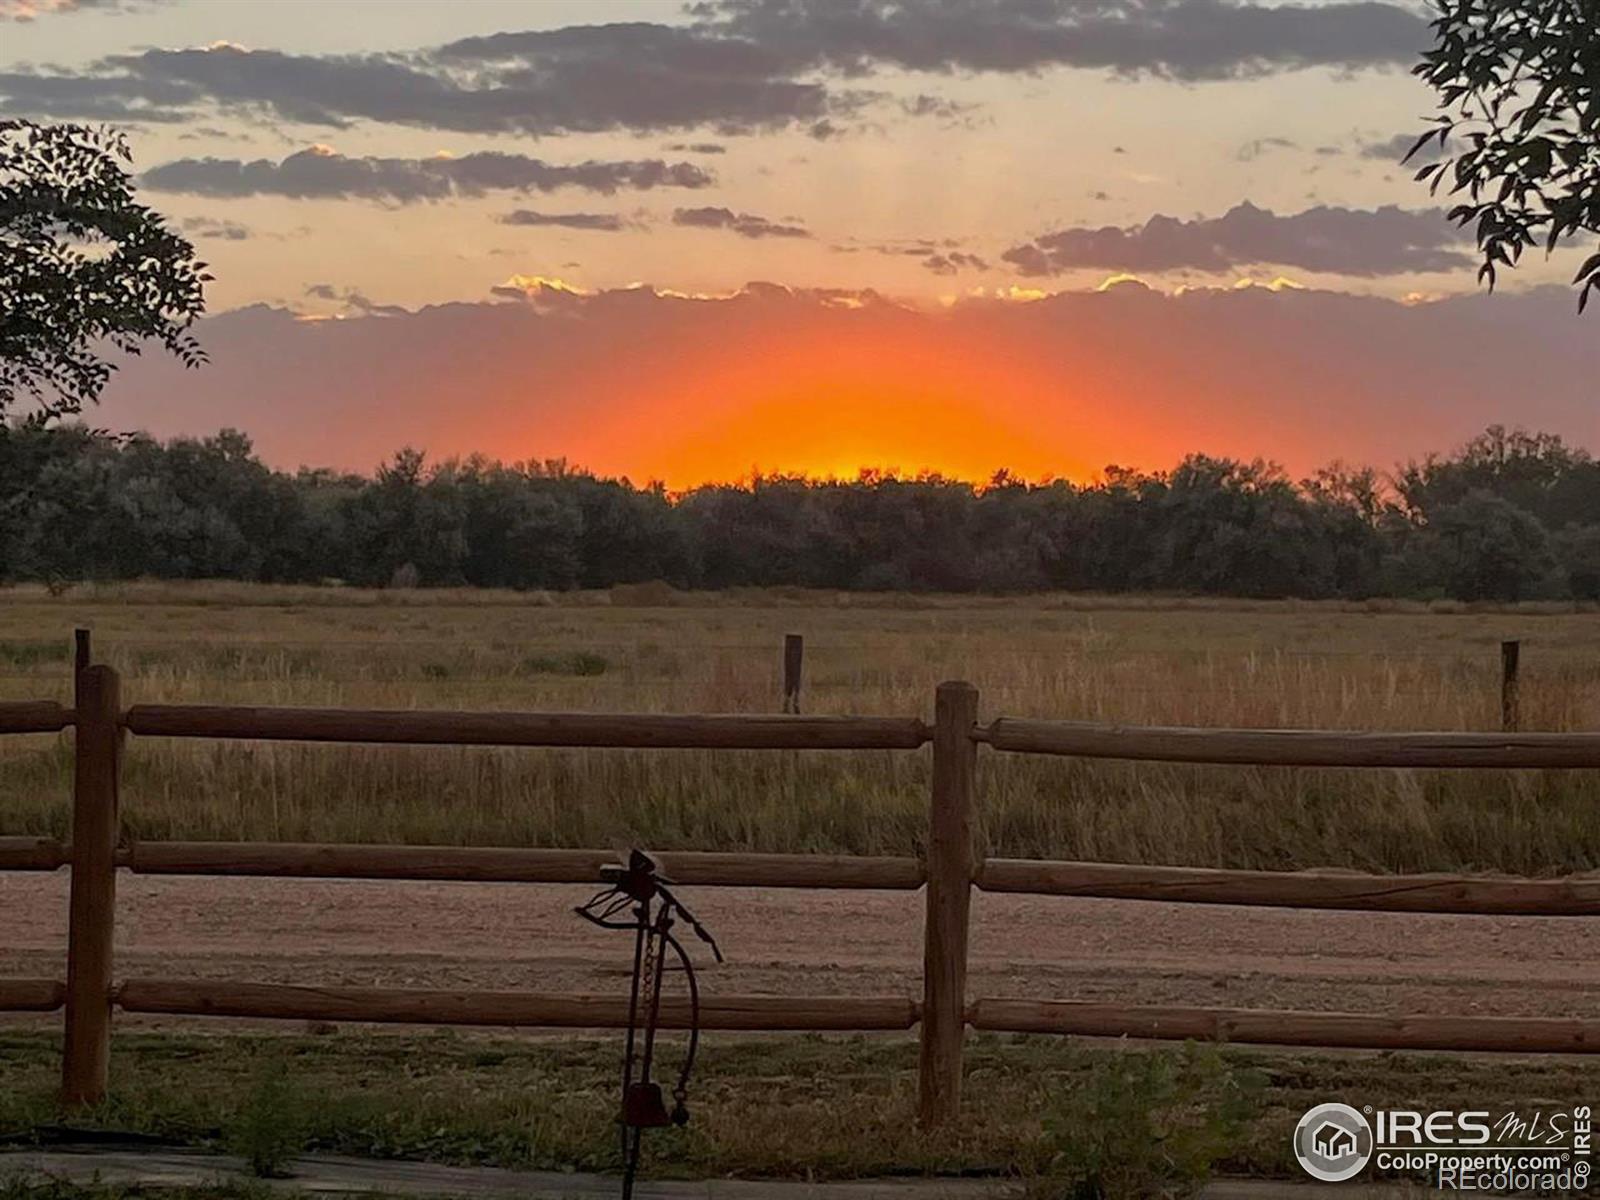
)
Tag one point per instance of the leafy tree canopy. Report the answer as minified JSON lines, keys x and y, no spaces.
{"x":83,"y":268}
{"x":1517,"y":81}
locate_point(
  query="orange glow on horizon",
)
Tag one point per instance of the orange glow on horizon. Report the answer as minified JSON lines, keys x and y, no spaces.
{"x":832,"y":405}
{"x":704,"y":391}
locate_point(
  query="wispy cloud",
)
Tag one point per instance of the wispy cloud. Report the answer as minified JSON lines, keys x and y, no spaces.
{"x":1259,"y":147}
{"x":211,"y":227}
{"x":355,"y":301}
{"x":31,"y":10}
{"x":1394,"y":149}
{"x":744,"y":224}
{"x":599,"y":222}
{"x":949,"y":262}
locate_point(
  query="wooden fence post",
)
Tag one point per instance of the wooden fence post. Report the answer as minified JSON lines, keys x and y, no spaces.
{"x":92,"y":924}
{"x":82,"y":654}
{"x":1510,"y":701}
{"x":794,"y":648}
{"x":944,"y":959}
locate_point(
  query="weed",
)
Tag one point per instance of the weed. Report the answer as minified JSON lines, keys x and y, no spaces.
{"x":269,"y":1129}
{"x":1139,"y":1125}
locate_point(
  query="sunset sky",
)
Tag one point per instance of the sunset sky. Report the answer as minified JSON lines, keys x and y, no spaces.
{"x":688,"y":241}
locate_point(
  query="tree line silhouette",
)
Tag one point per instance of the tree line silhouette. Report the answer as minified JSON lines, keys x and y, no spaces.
{"x":1510,"y":516}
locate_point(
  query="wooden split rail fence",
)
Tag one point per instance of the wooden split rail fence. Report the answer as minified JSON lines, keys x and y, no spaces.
{"x":948,"y":870}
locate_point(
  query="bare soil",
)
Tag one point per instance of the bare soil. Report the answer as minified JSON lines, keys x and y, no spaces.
{"x":509,"y":936}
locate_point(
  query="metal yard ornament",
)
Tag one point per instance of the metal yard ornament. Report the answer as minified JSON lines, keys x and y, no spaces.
{"x":638,"y":899}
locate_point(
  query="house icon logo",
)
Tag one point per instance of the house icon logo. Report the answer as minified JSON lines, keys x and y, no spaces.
{"x":1333,"y":1142}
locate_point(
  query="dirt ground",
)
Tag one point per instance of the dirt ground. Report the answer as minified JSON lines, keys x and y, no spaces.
{"x":516,"y":936}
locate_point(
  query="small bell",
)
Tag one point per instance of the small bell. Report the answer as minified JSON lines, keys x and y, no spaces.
{"x":644,"y":1108}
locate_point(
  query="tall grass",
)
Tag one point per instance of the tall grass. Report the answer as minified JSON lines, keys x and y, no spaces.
{"x":1314,"y":666}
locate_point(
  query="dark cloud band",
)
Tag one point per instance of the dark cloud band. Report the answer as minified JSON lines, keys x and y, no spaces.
{"x":739,"y":66}
{"x":320,"y":173}
{"x":1343,"y":241}
{"x":1182,"y":39}
{"x":586,"y":79}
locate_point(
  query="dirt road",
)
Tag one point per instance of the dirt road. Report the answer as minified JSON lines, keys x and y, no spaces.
{"x":848,"y":943}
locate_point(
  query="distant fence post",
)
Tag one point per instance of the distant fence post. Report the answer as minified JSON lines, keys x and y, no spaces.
{"x":1510,"y":701}
{"x":944,"y":959}
{"x":92,"y":919}
{"x":82,"y":654}
{"x":794,"y":648}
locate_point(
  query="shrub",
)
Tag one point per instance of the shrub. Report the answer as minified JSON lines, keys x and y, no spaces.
{"x":1144,"y":1124}
{"x":269,"y":1130}
{"x":585,"y":663}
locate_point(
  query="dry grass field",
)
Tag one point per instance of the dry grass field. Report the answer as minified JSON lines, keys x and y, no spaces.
{"x":1387,"y":666}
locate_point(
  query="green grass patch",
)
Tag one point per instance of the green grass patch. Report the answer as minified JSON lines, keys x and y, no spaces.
{"x":776,"y":1106}
{"x":583,"y":663}
{"x":34,"y":653}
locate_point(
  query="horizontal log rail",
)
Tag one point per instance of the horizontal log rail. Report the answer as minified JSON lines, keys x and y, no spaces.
{"x":34,"y":716}
{"x":1541,"y":1035}
{"x":196,"y":997}
{"x":509,"y":865}
{"x":417,"y":727}
{"x":32,"y":995}
{"x":1295,"y":747}
{"x":1348,"y":891}
{"x":32,"y":854}
{"x":1297,"y":889}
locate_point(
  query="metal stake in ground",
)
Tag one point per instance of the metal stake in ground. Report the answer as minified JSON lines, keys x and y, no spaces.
{"x":639,"y":900}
